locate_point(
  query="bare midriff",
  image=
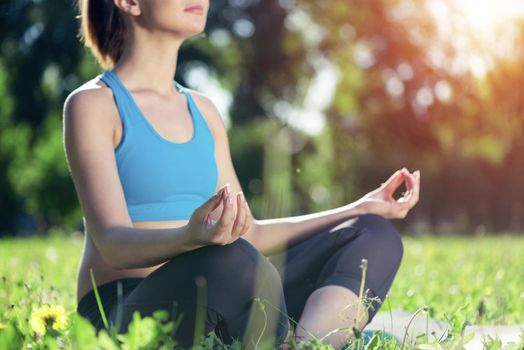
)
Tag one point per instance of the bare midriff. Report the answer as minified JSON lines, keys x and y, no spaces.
{"x":103,"y":272}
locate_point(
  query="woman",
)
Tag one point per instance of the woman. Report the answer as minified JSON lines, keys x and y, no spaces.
{"x":166,"y":222}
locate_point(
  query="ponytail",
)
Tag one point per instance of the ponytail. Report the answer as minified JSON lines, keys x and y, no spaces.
{"x":102,"y":30}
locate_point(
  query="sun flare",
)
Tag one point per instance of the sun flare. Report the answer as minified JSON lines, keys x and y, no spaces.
{"x":488,"y":15}
{"x":478,"y":26}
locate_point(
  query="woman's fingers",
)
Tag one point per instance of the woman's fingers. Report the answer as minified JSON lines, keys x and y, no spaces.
{"x":245,"y":223}
{"x":410,"y":179}
{"x":233,"y":223}
{"x":240,"y":219}
{"x":416,"y":187}
{"x":399,"y":177}
{"x":411,"y":196}
{"x":226,"y":220}
{"x":394,"y":180}
{"x":211,"y":204}
{"x":249,"y":218}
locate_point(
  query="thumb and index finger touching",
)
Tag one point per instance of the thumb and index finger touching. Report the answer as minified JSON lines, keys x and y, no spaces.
{"x":213,"y":202}
{"x":395,"y":180}
{"x":412,"y":181}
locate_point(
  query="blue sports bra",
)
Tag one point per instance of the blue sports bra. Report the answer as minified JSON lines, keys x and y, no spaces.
{"x":162,"y":180}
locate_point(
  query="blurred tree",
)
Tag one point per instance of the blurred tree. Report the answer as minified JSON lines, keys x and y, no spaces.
{"x":46,"y":62}
{"x":401,"y":101}
{"x":405,"y":95}
{"x":42,"y":58}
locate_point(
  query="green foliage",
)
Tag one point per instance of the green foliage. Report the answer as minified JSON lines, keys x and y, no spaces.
{"x":145,"y":333}
{"x":473,"y":134}
{"x":13,"y":140}
{"x":82,"y":333}
{"x":42,"y":178}
{"x":10,"y":336}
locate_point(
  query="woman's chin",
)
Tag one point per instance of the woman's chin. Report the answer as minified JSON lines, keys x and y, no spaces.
{"x":189,"y":31}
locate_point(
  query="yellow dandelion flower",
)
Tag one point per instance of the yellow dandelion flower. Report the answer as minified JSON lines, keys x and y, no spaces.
{"x":48,"y":317}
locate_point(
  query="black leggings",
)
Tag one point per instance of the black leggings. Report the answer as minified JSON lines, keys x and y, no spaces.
{"x":233,"y":275}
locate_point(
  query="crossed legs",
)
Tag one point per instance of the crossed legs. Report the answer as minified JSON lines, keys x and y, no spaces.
{"x":322,"y":277}
{"x":315,"y":282}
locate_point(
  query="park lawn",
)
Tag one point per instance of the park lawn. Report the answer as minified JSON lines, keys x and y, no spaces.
{"x":482,"y":276}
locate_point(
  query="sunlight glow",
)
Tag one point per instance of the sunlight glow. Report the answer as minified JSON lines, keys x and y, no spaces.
{"x":478,"y":30}
{"x":487,"y":15}
{"x":481,"y":22}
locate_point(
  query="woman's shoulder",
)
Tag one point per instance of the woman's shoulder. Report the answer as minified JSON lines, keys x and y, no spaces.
{"x":93,"y":98}
{"x":92,"y":91}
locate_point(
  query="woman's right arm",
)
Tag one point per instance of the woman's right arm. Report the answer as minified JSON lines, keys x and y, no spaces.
{"x":88,"y":143}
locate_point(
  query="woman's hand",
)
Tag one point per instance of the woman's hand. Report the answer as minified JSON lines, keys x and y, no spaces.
{"x":228,"y":228}
{"x":380,"y":201}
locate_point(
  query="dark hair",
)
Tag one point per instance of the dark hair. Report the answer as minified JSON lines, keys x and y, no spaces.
{"x":102,"y":30}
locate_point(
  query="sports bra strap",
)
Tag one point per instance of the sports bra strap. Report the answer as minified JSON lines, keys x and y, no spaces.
{"x":194,"y":108}
{"x":122,"y":99}
{"x":180,"y":87}
{"x":127,"y":108}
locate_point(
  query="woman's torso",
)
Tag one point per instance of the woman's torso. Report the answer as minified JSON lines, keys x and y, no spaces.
{"x":91,"y":257}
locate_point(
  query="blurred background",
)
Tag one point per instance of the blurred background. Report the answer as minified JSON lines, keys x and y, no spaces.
{"x":323,"y":101}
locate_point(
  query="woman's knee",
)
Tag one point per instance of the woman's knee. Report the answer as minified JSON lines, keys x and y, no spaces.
{"x":238,"y":264}
{"x":266,"y":273}
{"x":384,"y":234}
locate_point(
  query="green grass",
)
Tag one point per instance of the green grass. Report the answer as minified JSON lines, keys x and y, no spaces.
{"x":445,"y":273}
{"x":483,"y":276}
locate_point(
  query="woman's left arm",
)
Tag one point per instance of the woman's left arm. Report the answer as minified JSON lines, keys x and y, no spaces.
{"x":274,"y":234}
{"x":269,"y":235}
